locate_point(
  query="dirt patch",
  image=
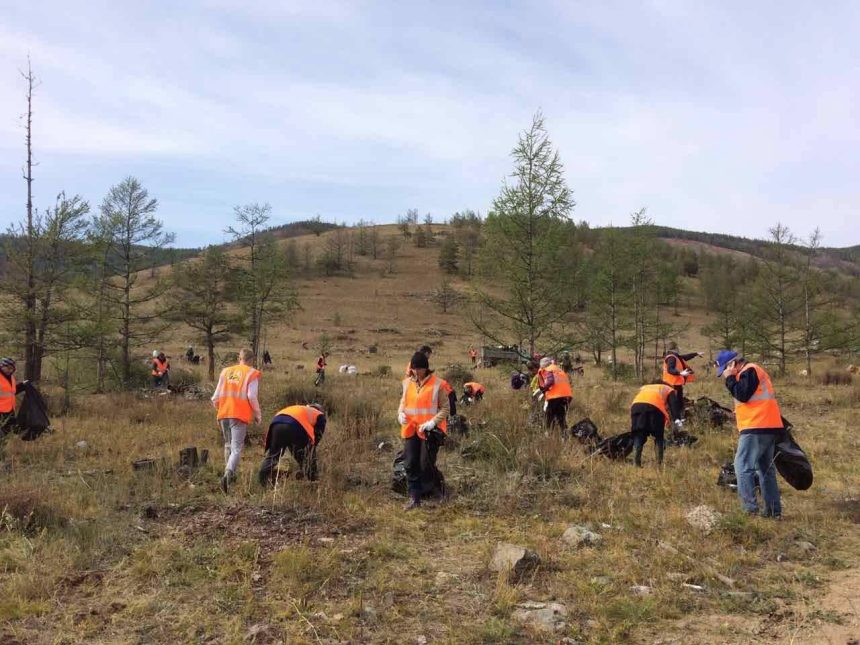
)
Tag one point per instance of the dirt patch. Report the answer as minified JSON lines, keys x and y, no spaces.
{"x":836,"y":618}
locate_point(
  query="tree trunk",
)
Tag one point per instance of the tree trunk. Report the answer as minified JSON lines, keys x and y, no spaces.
{"x":30,"y":360}
{"x":210,"y":349}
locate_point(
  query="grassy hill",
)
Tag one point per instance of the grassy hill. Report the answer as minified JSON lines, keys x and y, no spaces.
{"x":94,"y":551}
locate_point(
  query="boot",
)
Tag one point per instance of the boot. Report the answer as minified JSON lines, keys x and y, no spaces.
{"x":413,"y":503}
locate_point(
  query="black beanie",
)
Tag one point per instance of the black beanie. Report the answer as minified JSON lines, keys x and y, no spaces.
{"x":419,"y":360}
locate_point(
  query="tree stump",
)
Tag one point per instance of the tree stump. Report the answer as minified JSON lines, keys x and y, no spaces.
{"x":188,"y":458}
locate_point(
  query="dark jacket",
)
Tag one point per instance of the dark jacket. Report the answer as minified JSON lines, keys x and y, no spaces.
{"x":672,"y":364}
{"x":285,"y":419}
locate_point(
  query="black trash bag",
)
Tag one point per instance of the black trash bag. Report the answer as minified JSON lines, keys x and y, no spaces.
{"x":616,"y":447}
{"x":680,"y":438}
{"x":792,"y":463}
{"x":519,"y":380}
{"x":586,"y":431}
{"x":728,"y":479}
{"x":458,"y":425}
{"x":32,"y":417}
{"x":432,"y":486}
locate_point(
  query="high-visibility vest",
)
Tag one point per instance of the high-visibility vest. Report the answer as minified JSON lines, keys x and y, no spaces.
{"x":306,"y":416}
{"x":233,"y":400}
{"x":680,"y":366}
{"x":477,"y":388}
{"x":656,"y":395}
{"x":421,"y":405}
{"x":159,"y":367}
{"x":762,"y":410}
{"x":7,"y":394}
{"x":561,"y":385}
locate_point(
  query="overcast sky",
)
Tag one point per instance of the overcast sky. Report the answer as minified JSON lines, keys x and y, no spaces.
{"x":721,"y":116}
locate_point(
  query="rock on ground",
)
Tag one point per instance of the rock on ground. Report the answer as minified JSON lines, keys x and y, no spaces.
{"x":516,"y":560}
{"x":578,"y":536}
{"x":545,"y":617}
{"x":703,"y":518}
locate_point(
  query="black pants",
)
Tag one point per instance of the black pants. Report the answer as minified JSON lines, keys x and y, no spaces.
{"x":644,"y":422}
{"x":320,"y":379}
{"x":556,"y":413}
{"x":679,"y":390}
{"x":290,"y":437}
{"x":7,"y":423}
{"x":419,"y":458}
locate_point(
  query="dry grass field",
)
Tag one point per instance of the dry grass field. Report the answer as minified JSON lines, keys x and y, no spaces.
{"x":92,"y":551}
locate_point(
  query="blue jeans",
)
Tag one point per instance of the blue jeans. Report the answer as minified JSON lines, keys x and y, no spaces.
{"x":755,"y":455}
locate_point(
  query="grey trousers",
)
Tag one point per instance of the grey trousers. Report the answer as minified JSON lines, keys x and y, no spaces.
{"x":233,"y":431}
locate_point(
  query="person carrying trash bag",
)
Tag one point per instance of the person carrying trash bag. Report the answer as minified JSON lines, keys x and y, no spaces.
{"x":554,"y":385}
{"x":9,"y":389}
{"x":422,"y":415}
{"x":760,"y":428}
{"x":676,"y":372}
{"x":299,"y":430}
{"x":653,"y":407}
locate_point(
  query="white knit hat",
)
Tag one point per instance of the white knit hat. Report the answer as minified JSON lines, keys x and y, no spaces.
{"x":546,"y":361}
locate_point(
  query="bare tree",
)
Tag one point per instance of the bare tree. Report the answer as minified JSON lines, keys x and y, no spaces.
{"x":31,"y":350}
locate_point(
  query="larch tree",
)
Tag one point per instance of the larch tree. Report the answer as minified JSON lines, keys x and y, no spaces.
{"x":526,"y":235}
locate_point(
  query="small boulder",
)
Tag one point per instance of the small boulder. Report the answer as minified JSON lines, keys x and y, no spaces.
{"x":579,"y":536}
{"x":543,"y":617}
{"x":517,"y":561}
{"x":82,"y":445}
{"x":805,"y":547}
{"x":703,"y":518}
{"x":641,"y":590}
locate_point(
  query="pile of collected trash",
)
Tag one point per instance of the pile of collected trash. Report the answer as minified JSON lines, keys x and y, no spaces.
{"x":704,"y":411}
{"x":620,"y":446}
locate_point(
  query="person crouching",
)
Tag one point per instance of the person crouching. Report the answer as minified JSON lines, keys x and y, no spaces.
{"x":299,"y":430}
{"x":651,"y":410}
{"x":422,"y":414}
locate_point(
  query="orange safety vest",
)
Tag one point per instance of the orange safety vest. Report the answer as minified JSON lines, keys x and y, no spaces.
{"x":680,"y":365}
{"x":421,"y":404}
{"x":477,"y":388}
{"x":159,"y":367}
{"x":762,"y":410}
{"x":233,"y":401}
{"x":561,"y":386}
{"x":7,"y":394}
{"x":306,"y":416}
{"x":656,"y":395}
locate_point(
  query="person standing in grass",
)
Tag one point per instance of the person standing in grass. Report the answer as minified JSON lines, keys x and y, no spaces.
{"x":554,"y":384}
{"x":676,"y":372}
{"x":422,"y":415}
{"x":321,"y":364}
{"x":235,"y":399}
{"x":9,"y":389}
{"x":299,"y":430}
{"x":760,"y":428}
{"x":651,"y":410}
{"x":160,"y":370}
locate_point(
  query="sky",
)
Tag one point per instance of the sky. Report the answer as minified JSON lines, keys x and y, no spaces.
{"x":715,"y":116}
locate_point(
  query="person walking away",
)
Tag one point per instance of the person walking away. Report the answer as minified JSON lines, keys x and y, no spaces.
{"x":422,"y":415}
{"x":473,"y":392}
{"x":160,"y":370}
{"x":653,"y":407}
{"x":299,"y":430}
{"x":321,"y":363}
{"x":235,"y":399}
{"x":676,"y":372}
{"x":554,"y":384}
{"x":760,"y":428}
{"x":473,"y":356}
{"x":9,"y":389}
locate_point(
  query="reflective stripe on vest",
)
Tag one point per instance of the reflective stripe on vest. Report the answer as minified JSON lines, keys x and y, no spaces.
{"x":306,"y":416}
{"x":421,"y":406}
{"x":656,"y":395}
{"x":561,"y":384}
{"x":680,"y":366}
{"x":233,"y":400}
{"x":7,"y":394}
{"x":762,"y":410}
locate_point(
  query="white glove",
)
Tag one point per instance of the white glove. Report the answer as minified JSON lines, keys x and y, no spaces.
{"x":679,"y":423}
{"x":545,"y":405}
{"x":686,"y":372}
{"x":427,"y":426}
{"x":401,"y":418}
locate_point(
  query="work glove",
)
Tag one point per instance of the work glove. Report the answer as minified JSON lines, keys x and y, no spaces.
{"x":545,"y":405}
{"x":426,"y":427}
{"x":686,"y":372}
{"x":401,"y":418}
{"x":679,"y":423}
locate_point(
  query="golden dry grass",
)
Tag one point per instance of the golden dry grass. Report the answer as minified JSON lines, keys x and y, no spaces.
{"x":93,"y":552}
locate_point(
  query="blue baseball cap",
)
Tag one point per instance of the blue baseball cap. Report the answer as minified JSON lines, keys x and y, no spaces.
{"x":724,"y":357}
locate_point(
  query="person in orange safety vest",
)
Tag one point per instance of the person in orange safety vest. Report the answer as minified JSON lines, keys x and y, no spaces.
{"x":653,"y":407}
{"x":676,"y":372}
{"x":760,"y":428}
{"x":235,"y":399}
{"x":299,"y":430}
{"x":554,"y":386}
{"x":422,"y":415}
{"x":160,"y":370}
{"x":473,"y":392}
{"x":9,"y":389}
